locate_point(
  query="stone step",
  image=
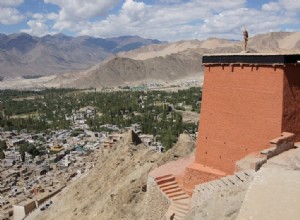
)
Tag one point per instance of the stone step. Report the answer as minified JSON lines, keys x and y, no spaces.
{"x":172,"y":191}
{"x":226,"y":181}
{"x":167,"y":187}
{"x":221,"y":183}
{"x":180,"y":211}
{"x":216,"y":184}
{"x":211,"y":186}
{"x":178,"y":214}
{"x":241,"y":176}
{"x":205,"y":187}
{"x":168,"y":184}
{"x":165,"y":180}
{"x":175,"y":186}
{"x":249,"y":173}
{"x":162,"y":177}
{"x":234,"y":181}
{"x":184,"y":205}
{"x":180,"y":197}
{"x":245,"y":174}
{"x":171,"y":195}
{"x":231,"y":180}
{"x":184,"y":202}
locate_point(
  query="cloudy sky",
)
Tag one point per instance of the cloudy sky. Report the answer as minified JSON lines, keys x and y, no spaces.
{"x":168,"y":20}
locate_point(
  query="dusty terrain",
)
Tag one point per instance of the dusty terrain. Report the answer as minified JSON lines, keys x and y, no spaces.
{"x":116,"y":187}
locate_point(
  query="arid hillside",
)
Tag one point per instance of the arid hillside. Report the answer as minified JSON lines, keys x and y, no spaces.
{"x":276,"y":42}
{"x":123,"y":70}
{"x":116,"y":187}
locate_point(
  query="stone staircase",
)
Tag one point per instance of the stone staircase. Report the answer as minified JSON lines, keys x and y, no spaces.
{"x":180,"y":200}
{"x":206,"y":190}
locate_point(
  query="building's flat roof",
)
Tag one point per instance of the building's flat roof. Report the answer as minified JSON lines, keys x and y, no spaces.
{"x":259,"y":58}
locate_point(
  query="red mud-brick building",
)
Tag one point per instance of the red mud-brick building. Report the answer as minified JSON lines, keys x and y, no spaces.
{"x":248,"y":100}
{"x":250,"y":108}
{"x":250,"y":112}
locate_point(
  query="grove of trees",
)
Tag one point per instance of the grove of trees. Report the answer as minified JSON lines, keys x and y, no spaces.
{"x":154,"y":111}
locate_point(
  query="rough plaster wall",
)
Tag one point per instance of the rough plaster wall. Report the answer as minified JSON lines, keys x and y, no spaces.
{"x":29,"y":207}
{"x":156,"y":203}
{"x":19,"y":212}
{"x":291,"y":102}
{"x":241,"y":111}
{"x":194,"y":177}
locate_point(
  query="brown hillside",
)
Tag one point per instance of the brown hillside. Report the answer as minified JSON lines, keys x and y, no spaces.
{"x":121,"y":70}
{"x":115,"y":187}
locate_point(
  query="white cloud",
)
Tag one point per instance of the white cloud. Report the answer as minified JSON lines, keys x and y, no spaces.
{"x":290,"y":5}
{"x":169,"y":1}
{"x":10,"y":16}
{"x":12,"y":3}
{"x":231,"y":22}
{"x":52,"y":16}
{"x":201,"y":19}
{"x":36,"y":27}
{"x":137,"y":18}
{"x":271,"y":6}
{"x":80,"y":10}
{"x":74,"y":11}
{"x":166,"y":19}
{"x":37,"y":24}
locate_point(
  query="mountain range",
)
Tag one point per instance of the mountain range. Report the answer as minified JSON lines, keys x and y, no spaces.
{"x":25,"y":55}
{"x":161,"y":61}
{"x":172,"y":61}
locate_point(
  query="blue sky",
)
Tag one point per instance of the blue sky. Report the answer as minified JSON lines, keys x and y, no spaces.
{"x":169,"y":20}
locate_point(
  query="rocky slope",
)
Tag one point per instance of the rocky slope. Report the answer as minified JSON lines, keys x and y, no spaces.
{"x":116,"y":187}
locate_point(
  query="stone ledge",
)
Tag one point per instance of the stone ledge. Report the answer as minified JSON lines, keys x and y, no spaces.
{"x":277,"y":146}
